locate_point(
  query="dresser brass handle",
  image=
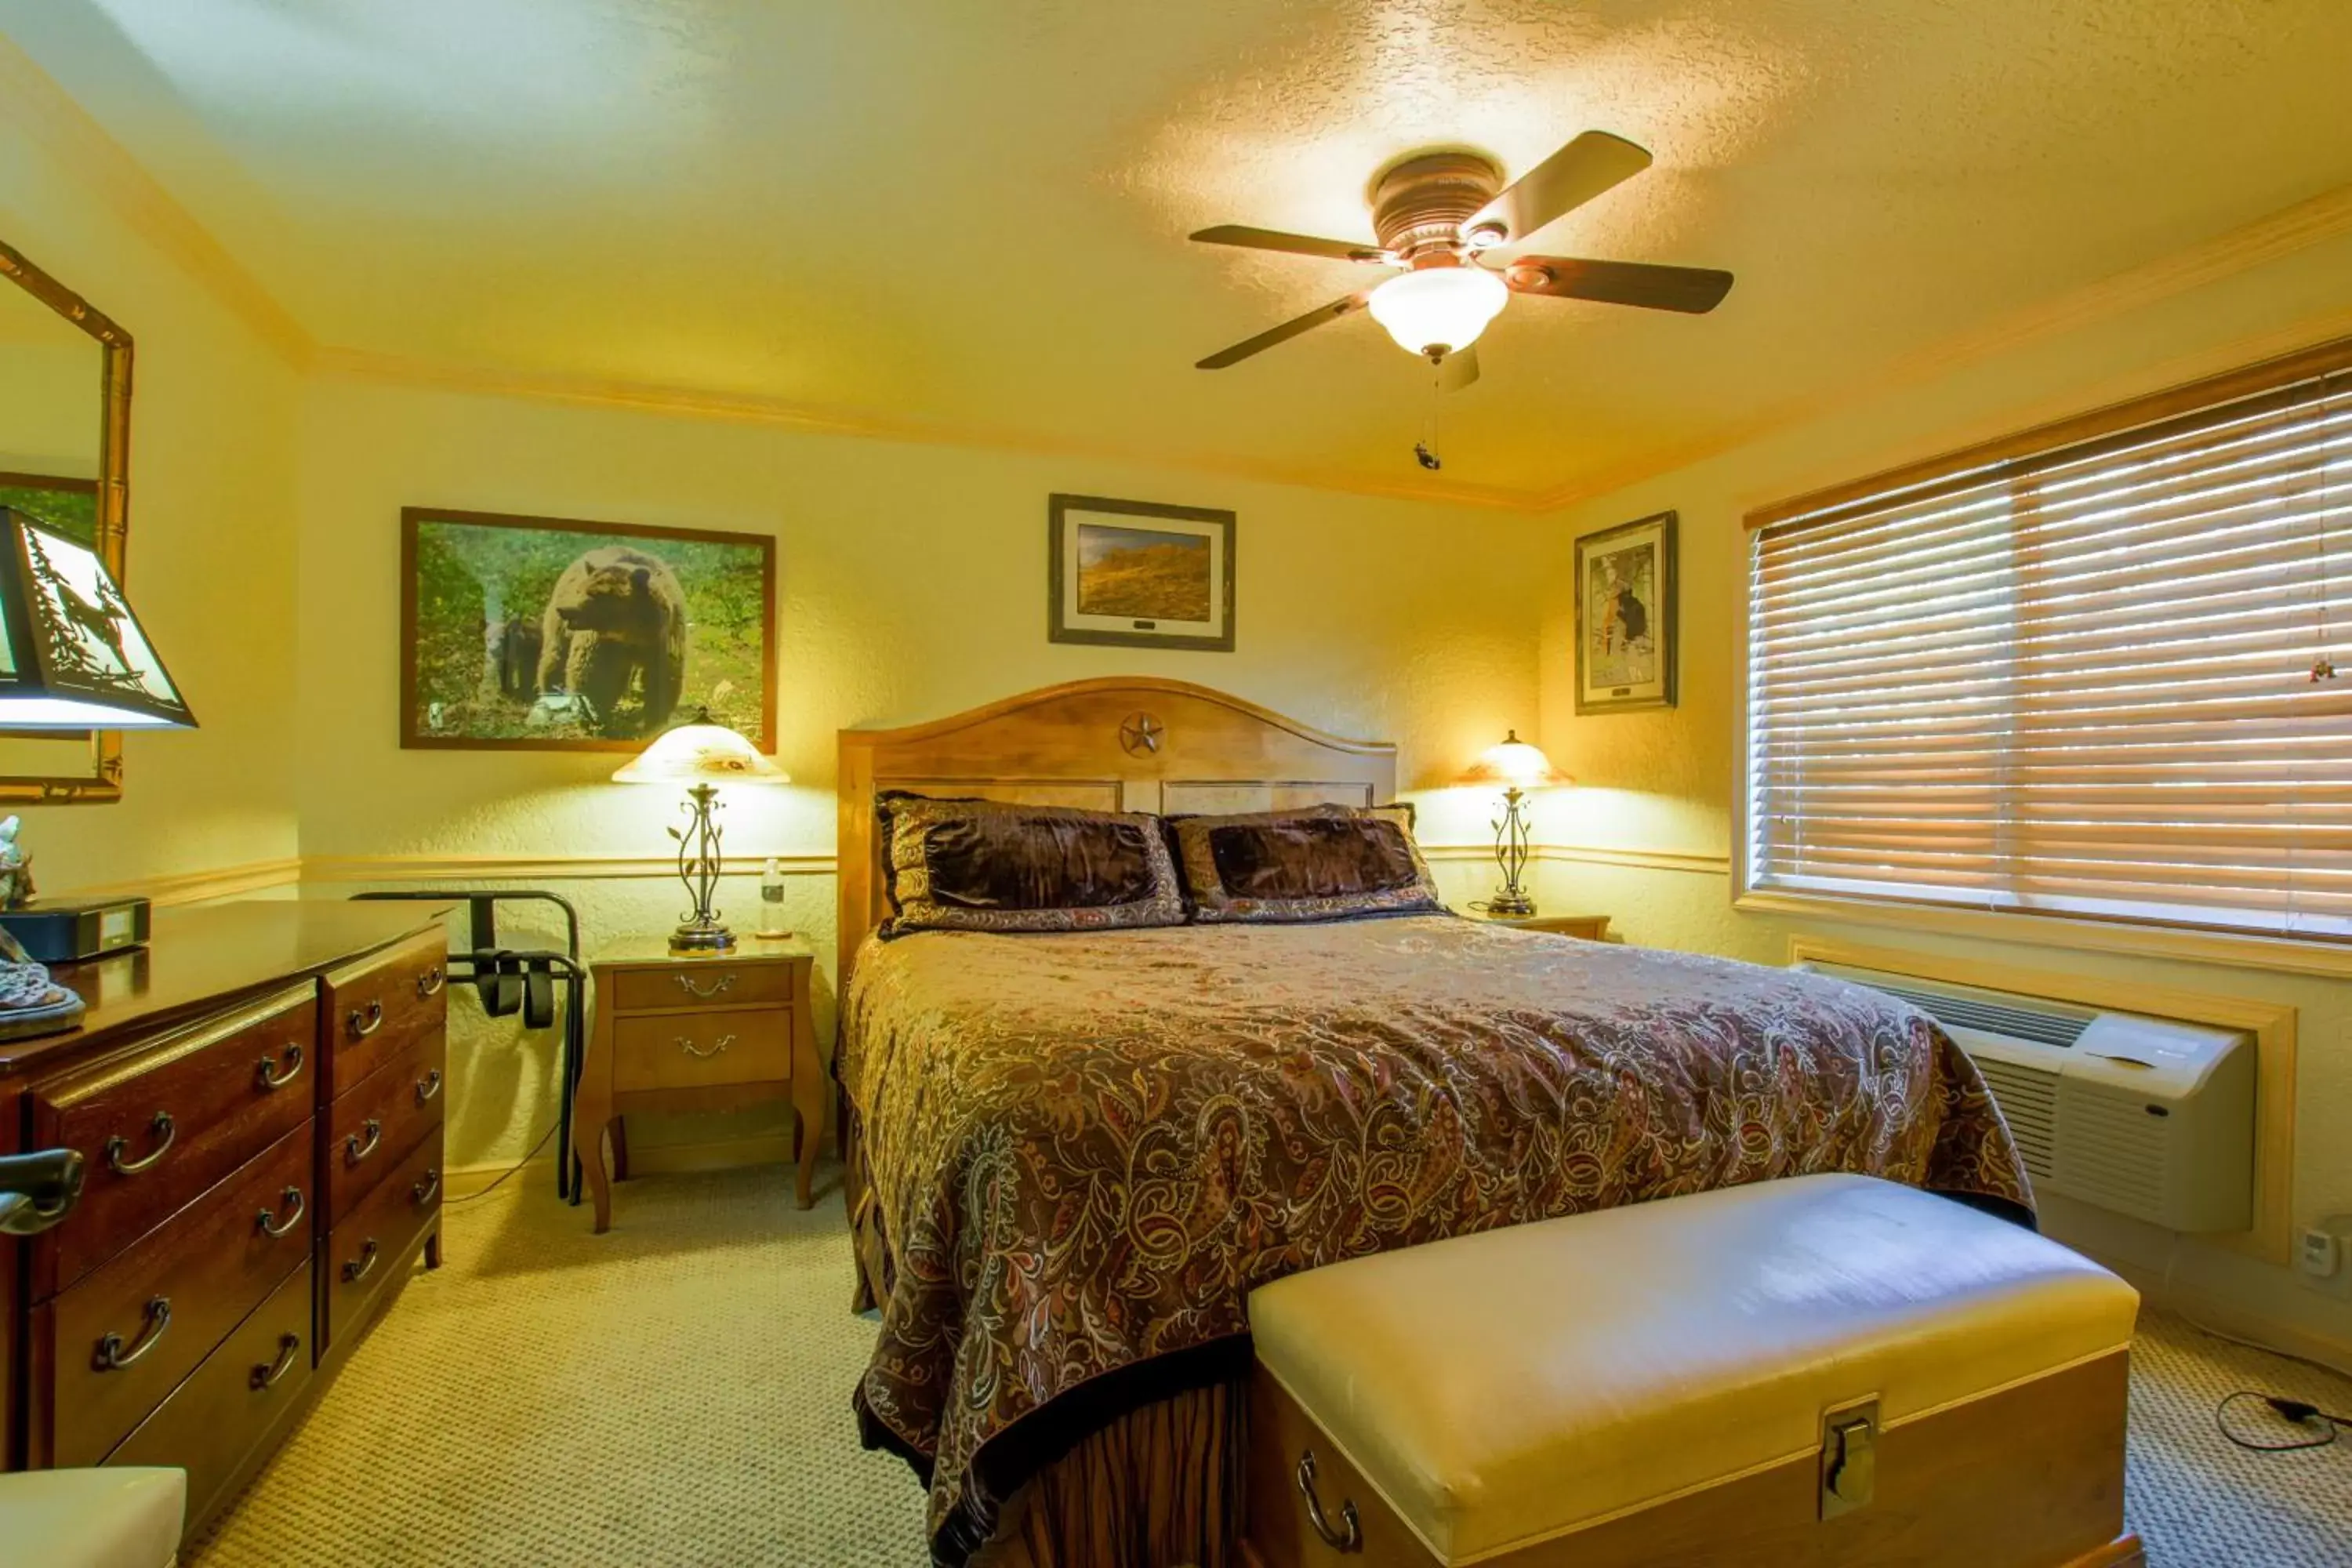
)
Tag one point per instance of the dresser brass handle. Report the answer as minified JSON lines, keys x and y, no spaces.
{"x":271,"y":1077}
{"x":1349,"y":1537}
{"x":428,"y":1186}
{"x":361,"y":1022}
{"x":354,"y":1151}
{"x":266,"y":1376}
{"x":430,"y":984}
{"x":161,"y":1127}
{"x":112,"y":1357}
{"x":271,"y":1225}
{"x":428,"y":1086}
{"x":719,"y":986}
{"x":359,"y":1268}
{"x":688,"y":1047}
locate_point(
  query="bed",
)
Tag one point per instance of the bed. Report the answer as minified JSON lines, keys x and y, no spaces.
{"x":1070,"y":1157}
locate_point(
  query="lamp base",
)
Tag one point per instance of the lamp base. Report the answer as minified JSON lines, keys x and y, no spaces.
{"x":696,"y":937}
{"x":1511,"y":906}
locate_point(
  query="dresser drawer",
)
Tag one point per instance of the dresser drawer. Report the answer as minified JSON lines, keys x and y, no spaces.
{"x":696,"y":1050}
{"x":370,"y":1129}
{"x":712,"y":982}
{"x":162,"y":1124}
{"x":119,"y":1340}
{"x":215,"y":1419}
{"x":368,"y":1247}
{"x":377,"y":1005}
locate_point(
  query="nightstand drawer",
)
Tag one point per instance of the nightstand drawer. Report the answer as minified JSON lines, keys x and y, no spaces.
{"x":706,"y":982}
{"x":693,"y":1051}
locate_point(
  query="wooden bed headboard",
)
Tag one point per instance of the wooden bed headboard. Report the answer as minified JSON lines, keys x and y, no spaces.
{"x":1118,"y":743}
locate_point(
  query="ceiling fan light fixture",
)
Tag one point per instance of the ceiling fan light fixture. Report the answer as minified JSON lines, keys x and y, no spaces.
{"x":1438,"y":310}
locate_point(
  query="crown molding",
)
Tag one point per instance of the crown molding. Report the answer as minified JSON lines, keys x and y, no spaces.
{"x":2266,"y":239}
{"x":44,"y":111}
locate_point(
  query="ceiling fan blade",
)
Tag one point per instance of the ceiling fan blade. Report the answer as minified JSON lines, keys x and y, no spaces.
{"x":1346,"y":306}
{"x":1694,"y":290}
{"x":1560,"y":184}
{"x":1458,"y":369}
{"x":1295,"y":244}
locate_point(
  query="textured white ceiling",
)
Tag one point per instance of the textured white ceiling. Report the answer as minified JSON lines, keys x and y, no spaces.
{"x":971,"y":216}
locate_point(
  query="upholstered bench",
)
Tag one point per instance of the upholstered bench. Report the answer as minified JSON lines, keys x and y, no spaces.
{"x":1829,"y":1370}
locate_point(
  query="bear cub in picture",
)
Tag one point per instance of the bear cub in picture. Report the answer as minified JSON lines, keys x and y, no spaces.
{"x":616,"y":617}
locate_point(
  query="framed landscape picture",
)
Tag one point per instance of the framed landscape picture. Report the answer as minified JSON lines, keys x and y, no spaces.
{"x":1625,"y":631}
{"x":1139,"y":576}
{"x":552,"y":634}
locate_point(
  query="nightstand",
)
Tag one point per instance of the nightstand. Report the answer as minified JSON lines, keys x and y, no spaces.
{"x":685,"y":1032}
{"x":1591,"y":928}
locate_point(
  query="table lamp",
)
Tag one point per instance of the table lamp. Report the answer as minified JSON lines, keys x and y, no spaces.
{"x":702,"y":755}
{"x":72,"y":655}
{"x":1520,"y":767}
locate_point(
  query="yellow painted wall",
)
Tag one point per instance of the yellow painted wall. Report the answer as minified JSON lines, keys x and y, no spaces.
{"x":911,"y":585}
{"x":1665,"y":781}
{"x":212,"y":544}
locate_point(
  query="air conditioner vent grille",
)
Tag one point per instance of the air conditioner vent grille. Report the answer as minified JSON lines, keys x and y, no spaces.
{"x":2028,"y":1100}
{"x":2022,"y":1023}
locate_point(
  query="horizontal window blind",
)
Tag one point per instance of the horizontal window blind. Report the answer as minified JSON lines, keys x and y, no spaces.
{"x":2092,"y":680}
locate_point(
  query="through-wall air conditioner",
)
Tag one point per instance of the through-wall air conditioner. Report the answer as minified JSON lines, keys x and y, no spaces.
{"x":2148,"y":1117}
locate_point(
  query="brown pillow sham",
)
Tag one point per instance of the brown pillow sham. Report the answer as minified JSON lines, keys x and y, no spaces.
{"x":994,"y":866}
{"x":1320,"y":863}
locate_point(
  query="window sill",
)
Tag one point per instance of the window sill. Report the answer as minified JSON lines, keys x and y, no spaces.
{"x":2275,"y":954}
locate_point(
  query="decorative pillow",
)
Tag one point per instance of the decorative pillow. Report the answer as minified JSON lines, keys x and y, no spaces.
{"x":1321,"y":863}
{"x":986,"y":864}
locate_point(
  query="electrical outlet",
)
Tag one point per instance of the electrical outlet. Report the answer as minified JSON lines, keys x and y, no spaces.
{"x":2323,"y":1256}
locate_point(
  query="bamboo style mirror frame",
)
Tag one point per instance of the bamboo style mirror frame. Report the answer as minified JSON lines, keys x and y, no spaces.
{"x":52,"y":464}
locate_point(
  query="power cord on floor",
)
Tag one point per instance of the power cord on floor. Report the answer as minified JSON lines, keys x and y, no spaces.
{"x":510,"y":1170}
{"x":2293,"y":1411}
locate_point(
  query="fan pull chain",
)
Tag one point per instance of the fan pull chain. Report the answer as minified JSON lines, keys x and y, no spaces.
{"x":1425,"y":449}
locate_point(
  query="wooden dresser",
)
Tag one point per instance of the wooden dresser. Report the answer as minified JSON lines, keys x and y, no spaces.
{"x":258,"y":1096}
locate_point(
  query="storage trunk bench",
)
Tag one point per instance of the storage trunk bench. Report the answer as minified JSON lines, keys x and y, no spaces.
{"x":1824,"y":1371}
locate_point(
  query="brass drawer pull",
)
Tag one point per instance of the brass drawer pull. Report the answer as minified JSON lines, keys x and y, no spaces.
{"x":112,"y":1357}
{"x":271,"y":1077}
{"x":427,"y":1189}
{"x":719,"y":986}
{"x":161,"y":1127}
{"x":1351,"y":1536}
{"x":430,"y":984}
{"x":354,"y":1151}
{"x":266,"y":1376}
{"x":361,"y":1022}
{"x":359,"y":1268}
{"x":688,"y":1047}
{"x":428,"y":1086}
{"x":271,"y":1225}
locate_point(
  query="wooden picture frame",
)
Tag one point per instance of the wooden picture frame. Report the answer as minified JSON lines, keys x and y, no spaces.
{"x":673,"y":617}
{"x":1113,"y":579}
{"x":1627,"y":635}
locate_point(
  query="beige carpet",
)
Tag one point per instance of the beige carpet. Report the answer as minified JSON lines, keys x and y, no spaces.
{"x":677,"y":1392}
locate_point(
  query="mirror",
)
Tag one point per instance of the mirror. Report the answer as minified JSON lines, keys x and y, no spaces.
{"x":64,"y":424}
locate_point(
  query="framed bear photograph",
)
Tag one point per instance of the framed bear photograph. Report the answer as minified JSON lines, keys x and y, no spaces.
{"x":554,"y":633}
{"x":1625,"y":632}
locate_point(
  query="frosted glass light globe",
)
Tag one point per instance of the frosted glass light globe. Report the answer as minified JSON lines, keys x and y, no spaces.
{"x":1438,"y":308}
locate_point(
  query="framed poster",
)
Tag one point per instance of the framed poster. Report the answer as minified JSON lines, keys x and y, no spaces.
{"x":1139,"y":576}
{"x":552,"y":634}
{"x":1625,"y":631}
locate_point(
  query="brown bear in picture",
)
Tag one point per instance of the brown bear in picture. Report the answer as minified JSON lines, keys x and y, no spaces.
{"x":617,"y":615}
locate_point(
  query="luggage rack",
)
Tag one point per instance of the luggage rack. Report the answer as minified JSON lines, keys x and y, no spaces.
{"x":509,"y":980}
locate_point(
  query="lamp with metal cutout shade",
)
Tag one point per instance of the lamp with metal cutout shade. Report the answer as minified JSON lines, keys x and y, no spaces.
{"x":72,"y":655}
{"x":702,"y":756}
{"x":1517,"y":767}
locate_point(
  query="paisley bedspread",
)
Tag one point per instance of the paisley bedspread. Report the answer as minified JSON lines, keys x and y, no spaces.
{"x":1085,"y":1151}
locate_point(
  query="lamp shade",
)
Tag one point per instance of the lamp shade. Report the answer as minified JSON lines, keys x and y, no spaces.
{"x":1515,"y":763}
{"x":1438,"y":310}
{"x":72,"y":655}
{"x":701,"y":753}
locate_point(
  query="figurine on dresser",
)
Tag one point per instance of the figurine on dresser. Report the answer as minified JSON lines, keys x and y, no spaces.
{"x":30,"y":1002}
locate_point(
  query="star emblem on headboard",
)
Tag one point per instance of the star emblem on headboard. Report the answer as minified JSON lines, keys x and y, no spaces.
{"x":1141,"y":732}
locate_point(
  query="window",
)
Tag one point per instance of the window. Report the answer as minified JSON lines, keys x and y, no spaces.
{"x":2085,"y":671}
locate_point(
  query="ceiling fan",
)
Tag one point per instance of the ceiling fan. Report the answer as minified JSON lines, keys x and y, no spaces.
{"x":1438,"y":216}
